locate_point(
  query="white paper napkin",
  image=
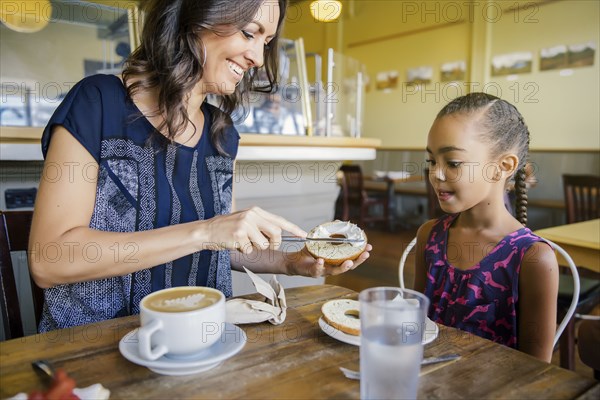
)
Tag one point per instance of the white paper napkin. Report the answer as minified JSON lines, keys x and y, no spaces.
{"x":273,"y":309}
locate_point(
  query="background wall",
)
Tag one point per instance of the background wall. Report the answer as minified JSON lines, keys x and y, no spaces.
{"x":81,"y":38}
{"x":561,"y":111}
{"x":402,"y":116}
{"x":52,"y":55}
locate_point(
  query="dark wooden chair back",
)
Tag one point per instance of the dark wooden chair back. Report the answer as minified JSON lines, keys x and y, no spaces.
{"x":353,"y":179}
{"x":342,"y":208}
{"x":582,"y":197}
{"x":357,"y":200}
{"x":14,"y":236}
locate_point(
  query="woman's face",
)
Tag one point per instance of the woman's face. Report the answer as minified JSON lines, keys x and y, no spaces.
{"x":229,"y":57}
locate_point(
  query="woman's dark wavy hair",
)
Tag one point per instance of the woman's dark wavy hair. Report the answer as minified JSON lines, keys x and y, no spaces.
{"x":171,"y":56}
{"x":504,"y":129}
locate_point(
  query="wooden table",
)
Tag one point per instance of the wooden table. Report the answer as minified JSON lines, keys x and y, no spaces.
{"x":581,"y":240}
{"x":292,"y":360}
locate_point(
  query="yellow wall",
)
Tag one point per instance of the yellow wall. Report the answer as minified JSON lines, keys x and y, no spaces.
{"x":52,"y":56}
{"x":402,"y":116}
{"x":561,"y":111}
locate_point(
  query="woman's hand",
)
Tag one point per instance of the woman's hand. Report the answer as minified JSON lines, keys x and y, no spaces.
{"x":245,"y":230}
{"x":303,"y":263}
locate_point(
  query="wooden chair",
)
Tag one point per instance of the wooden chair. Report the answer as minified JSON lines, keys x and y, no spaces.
{"x":582,"y":202}
{"x":357,"y":202}
{"x":587,"y":344}
{"x":573,"y":301}
{"x":342,"y":208}
{"x":14,"y":236}
{"x":582,"y":197}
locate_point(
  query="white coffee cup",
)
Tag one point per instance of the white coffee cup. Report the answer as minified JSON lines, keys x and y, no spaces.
{"x":180,"y":321}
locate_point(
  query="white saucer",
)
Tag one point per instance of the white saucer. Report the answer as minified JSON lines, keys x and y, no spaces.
{"x":431,"y":332}
{"x":232,"y":341}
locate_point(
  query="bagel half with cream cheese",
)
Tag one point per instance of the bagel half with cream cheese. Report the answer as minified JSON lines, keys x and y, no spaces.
{"x":343,"y":315}
{"x":337,"y":253}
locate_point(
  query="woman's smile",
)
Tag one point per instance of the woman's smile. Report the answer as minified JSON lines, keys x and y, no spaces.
{"x":236,"y":69}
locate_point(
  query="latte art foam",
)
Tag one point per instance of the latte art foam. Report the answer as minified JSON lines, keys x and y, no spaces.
{"x":181,"y":300}
{"x":191,"y":301}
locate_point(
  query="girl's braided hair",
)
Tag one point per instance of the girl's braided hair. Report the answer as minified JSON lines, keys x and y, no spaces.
{"x":504,"y":130}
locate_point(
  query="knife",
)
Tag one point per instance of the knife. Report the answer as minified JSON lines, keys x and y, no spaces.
{"x":433,"y":360}
{"x":311,"y":239}
{"x":351,"y":374}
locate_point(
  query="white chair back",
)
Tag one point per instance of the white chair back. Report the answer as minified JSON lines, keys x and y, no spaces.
{"x":403,"y":261}
{"x":557,"y":248}
{"x":576,"y":290}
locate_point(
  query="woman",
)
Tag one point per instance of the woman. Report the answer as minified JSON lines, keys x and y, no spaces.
{"x":136,"y":190}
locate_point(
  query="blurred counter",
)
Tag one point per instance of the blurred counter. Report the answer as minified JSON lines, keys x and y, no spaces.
{"x":22,"y":144}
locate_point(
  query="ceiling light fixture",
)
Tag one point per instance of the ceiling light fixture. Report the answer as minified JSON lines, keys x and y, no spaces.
{"x":326,"y":10}
{"x":26,"y":16}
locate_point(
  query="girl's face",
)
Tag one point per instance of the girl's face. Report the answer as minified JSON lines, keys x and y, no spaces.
{"x":460,"y":169}
{"x":229,"y":57}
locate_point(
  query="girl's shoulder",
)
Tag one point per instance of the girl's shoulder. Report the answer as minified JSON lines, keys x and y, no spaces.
{"x":424,"y":231}
{"x":539,"y":269}
{"x":540,"y":252}
{"x":523,"y":237}
{"x":439,"y":224}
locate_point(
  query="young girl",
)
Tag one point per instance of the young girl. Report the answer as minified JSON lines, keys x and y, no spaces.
{"x":483,"y":271}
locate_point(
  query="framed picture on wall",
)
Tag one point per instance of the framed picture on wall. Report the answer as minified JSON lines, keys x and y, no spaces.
{"x":581,"y":55}
{"x":453,"y":71}
{"x":419,"y":75}
{"x":513,"y":63}
{"x":553,"y":58}
{"x":387,"y":80}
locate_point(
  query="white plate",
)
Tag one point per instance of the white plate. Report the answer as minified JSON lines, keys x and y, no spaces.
{"x":232,"y":341}
{"x":431,"y":332}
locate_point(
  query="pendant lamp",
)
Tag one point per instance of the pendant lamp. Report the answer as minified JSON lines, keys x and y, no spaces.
{"x":26,"y":16}
{"x":326,"y":10}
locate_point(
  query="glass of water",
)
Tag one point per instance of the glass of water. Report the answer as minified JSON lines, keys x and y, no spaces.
{"x":391,"y":349}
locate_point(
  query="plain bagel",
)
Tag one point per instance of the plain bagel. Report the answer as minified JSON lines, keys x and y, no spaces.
{"x":337,"y":253}
{"x":343,"y":315}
